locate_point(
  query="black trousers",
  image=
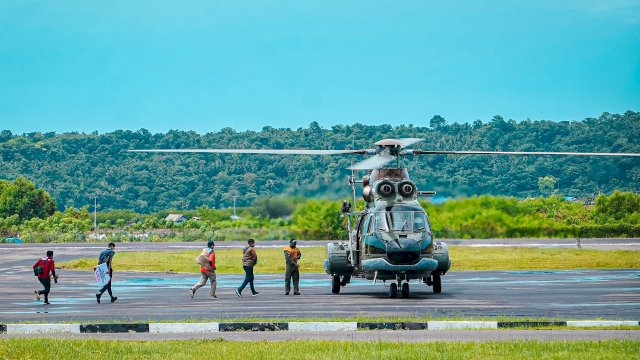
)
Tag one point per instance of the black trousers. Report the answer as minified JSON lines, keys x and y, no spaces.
{"x":47,"y":287}
{"x":107,"y":286}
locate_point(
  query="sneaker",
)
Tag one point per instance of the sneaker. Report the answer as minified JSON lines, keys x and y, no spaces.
{"x":296,"y":293}
{"x":286,"y":293}
{"x":238,"y":293}
{"x":37,"y":295}
{"x":47,"y":303}
{"x":98,"y":298}
{"x":255,"y":293}
{"x":214,"y":297}
{"x":113,"y":299}
{"x":191,"y":293}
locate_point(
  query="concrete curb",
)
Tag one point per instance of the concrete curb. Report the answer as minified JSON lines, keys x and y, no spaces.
{"x":392,"y":326}
{"x":585,"y":323}
{"x":254,"y":326}
{"x":165,"y":328}
{"x":457,"y":325}
{"x":42,"y":328}
{"x":114,"y":328}
{"x":514,"y":324}
{"x":323,"y":326}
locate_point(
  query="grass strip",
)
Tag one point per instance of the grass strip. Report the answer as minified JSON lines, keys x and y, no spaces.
{"x":271,"y":260}
{"x":309,"y":349}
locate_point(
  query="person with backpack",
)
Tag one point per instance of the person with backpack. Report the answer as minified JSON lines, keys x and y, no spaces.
{"x":43,"y":269}
{"x":106,"y":257}
{"x":249,"y":260}
{"x":207,"y":262}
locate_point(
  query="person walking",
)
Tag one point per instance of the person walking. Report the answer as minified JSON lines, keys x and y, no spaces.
{"x":292,"y":272}
{"x":207,"y":271}
{"x":106,"y":257}
{"x":249,"y":260}
{"x":44,"y":268}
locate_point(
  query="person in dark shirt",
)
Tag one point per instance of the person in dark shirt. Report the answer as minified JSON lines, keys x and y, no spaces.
{"x":106,"y":256}
{"x":249,"y":260}
{"x":48,"y":268}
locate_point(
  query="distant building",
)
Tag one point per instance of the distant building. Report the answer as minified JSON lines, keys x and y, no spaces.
{"x":175,"y":218}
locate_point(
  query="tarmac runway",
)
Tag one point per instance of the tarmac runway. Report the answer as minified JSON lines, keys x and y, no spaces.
{"x":580,"y":294}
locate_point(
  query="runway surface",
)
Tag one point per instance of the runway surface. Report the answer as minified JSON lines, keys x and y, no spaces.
{"x":583,"y":294}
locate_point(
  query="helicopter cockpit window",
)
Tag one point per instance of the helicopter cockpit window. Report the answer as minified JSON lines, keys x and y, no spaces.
{"x":419,"y":222}
{"x":411,"y":221}
{"x":401,"y":220}
{"x":381,"y":223}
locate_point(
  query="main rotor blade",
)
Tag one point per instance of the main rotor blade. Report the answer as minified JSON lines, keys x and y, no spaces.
{"x":409,"y":141}
{"x":438,"y":152}
{"x":254,"y":151}
{"x":373,"y":162}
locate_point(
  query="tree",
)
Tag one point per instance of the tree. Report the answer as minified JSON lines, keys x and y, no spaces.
{"x":20,"y":197}
{"x":437,"y":122}
{"x":547,"y":185}
{"x":275,"y":207}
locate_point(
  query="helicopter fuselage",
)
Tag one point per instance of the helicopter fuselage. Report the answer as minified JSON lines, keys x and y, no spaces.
{"x":392,"y":238}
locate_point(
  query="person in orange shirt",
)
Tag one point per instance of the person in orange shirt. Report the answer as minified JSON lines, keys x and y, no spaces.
{"x":207,"y":273}
{"x":292,"y":272}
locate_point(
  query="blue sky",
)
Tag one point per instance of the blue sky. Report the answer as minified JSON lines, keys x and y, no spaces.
{"x":206,"y":65}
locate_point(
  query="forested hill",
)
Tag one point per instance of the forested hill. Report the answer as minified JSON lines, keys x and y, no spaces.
{"x":75,"y":166}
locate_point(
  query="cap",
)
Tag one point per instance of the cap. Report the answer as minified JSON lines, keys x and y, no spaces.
{"x":292,"y":242}
{"x":210,"y":243}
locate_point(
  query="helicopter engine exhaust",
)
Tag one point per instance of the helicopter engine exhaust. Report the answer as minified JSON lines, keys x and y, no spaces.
{"x":407,"y":189}
{"x":385,"y":189}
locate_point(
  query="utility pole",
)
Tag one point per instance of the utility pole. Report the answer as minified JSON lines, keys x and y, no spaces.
{"x":95,"y":213}
{"x":234,"y":204}
{"x":235,"y":196}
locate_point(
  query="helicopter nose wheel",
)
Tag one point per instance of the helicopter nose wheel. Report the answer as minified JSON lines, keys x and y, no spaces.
{"x":393,"y":290}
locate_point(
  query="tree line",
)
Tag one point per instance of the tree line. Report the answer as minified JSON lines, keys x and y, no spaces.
{"x":75,"y":167}
{"x":615,"y":215}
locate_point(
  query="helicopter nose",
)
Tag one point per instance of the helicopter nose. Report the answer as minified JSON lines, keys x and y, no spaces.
{"x":403,"y":244}
{"x":403,"y":250}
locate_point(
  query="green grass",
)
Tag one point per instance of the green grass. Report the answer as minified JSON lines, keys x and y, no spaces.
{"x":483,"y":258}
{"x":228,"y":261}
{"x":311,"y":349}
{"x":355,"y":318}
{"x":463,"y":258}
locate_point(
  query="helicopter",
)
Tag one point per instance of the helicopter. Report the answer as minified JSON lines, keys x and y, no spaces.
{"x":391,"y":238}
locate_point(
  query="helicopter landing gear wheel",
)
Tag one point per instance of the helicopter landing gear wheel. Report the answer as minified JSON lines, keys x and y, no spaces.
{"x":335,"y":285}
{"x":405,"y":290}
{"x":437,"y":283}
{"x":393,"y":290}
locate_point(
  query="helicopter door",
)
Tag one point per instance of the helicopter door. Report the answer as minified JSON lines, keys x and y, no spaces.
{"x":361,"y":222}
{"x":363,"y":225}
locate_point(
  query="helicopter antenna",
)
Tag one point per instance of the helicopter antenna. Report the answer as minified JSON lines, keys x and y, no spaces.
{"x":352,"y":182}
